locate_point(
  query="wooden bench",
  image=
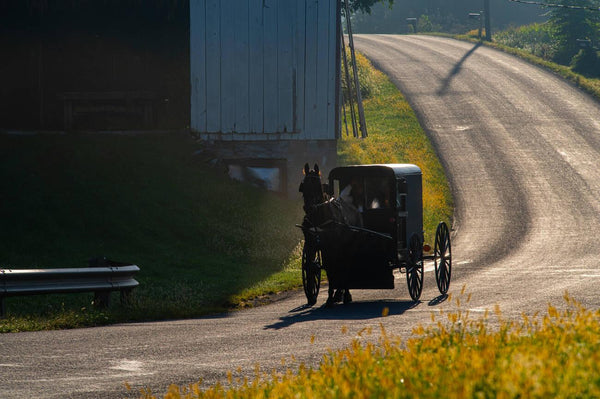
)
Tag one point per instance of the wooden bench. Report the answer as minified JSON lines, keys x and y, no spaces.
{"x":137,"y":103}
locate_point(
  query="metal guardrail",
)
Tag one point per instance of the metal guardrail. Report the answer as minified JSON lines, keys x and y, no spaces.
{"x":102,"y":277}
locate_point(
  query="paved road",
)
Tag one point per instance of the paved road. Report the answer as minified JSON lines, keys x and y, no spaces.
{"x":521,"y":148}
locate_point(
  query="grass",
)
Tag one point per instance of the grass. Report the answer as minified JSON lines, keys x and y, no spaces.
{"x":204,"y":243}
{"x":556,"y":354}
{"x":553,"y":355}
{"x":199,"y":238}
{"x":395,"y":136}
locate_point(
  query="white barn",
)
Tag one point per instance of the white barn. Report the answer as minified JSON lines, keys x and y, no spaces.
{"x":265,"y":85}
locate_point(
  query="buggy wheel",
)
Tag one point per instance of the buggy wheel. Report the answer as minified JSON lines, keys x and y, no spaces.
{"x":442,"y":255}
{"x":311,"y":273}
{"x":414,"y":267}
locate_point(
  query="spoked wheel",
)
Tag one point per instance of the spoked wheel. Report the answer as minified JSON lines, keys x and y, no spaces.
{"x":311,"y":272}
{"x":414,"y":268}
{"x":442,"y":255}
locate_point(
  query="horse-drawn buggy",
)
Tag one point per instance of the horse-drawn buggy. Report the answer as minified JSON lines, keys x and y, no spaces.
{"x":366,"y":221}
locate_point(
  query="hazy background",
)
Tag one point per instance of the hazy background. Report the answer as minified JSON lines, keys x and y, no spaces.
{"x":445,"y":15}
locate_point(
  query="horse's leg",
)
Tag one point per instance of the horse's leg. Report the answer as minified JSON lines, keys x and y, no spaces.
{"x":339,"y":295}
{"x":330,"y":296}
{"x":330,"y":291}
{"x":347,"y":296}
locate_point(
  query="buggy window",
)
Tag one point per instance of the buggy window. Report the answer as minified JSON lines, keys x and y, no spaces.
{"x":378,"y":193}
{"x":352,"y":191}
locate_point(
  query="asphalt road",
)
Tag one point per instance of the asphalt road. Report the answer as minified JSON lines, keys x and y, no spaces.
{"x":521,"y":148}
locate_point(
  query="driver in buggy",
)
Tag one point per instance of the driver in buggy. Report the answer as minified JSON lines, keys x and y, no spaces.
{"x":352,"y":200}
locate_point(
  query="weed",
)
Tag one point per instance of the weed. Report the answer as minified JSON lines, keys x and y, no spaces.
{"x":553,"y":355}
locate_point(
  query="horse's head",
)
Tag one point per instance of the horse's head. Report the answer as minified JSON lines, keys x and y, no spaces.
{"x":311,"y":188}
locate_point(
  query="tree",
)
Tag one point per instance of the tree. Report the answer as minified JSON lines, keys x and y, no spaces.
{"x":574,"y":20}
{"x":365,"y":5}
{"x":446,"y":16}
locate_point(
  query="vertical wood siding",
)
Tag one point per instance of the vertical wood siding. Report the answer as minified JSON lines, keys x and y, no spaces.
{"x":198,"y":65}
{"x":264,"y":69}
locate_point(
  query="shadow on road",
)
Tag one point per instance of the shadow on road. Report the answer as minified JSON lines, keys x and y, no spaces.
{"x":438,"y":299}
{"x":455,"y":70}
{"x":351,"y":311}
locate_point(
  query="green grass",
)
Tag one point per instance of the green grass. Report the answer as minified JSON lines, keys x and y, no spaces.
{"x":395,"y":136}
{"x":553,"y":355}
{"x":204,"y":243}
{"x":556,"y":354}
{"x":199,"y":238}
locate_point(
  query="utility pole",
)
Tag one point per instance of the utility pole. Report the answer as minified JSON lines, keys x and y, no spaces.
{"x":486,"y":14}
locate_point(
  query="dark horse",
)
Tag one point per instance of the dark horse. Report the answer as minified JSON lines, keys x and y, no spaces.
{"x":321,"y":209}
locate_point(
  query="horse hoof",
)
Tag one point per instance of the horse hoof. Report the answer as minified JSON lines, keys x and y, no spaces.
{"x":347,"y":297}
{"x":338,"y":296}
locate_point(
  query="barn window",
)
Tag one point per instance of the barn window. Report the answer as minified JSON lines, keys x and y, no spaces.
{"x":269,"y":174}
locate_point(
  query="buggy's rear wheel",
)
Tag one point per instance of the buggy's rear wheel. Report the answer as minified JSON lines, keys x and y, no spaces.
{"x":311,"y":272}
{"x":414,"y":267}
{"x":442,"y":255}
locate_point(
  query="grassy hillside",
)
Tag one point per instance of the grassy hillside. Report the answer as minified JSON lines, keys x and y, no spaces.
{"x":555,"y":354}
{"x":204,"y":243}
{"x":198,"y":237}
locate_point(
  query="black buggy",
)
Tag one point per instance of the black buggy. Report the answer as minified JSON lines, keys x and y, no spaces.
{"x":364,"y":223}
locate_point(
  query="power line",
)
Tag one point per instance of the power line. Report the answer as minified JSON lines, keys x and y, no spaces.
{"x":539,"y":3}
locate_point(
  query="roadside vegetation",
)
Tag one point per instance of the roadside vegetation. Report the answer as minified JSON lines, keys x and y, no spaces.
{"x":566,"y":44}
{"x":556,"y":354}
{"x":551,"y":355}
{"x":587,"y":82}
{"x":395,"y":136}
{"x":204,"y":243}
{"x":199,"y":238}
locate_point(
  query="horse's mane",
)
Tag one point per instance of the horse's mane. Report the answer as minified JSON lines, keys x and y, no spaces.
{"x":320,"y":207}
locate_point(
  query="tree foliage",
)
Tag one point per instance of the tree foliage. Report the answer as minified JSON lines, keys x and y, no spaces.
{"x":364,"y":6}
{"x":441,"y":15}
{"x":575,"y":20}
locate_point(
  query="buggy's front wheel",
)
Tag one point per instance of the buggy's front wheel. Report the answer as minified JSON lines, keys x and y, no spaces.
{"x":311,"y":272}
{"x":414,"y":267}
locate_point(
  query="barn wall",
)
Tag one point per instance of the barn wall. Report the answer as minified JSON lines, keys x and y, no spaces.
{"x":264,"y":69}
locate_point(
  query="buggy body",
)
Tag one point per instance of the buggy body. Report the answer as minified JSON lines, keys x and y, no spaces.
{"x":378,"y":228}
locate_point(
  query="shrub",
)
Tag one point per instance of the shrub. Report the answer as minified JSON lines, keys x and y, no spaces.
{"x":426,"y":24}
{"x":474,"y":33}
{"x":366,"y":78}
{"x":586,"y":62}
{"x":537,"y":39}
